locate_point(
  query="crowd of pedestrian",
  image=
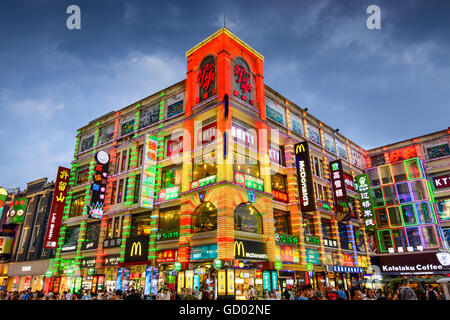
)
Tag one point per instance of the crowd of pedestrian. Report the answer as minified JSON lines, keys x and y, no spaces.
{"x":306,"y":292}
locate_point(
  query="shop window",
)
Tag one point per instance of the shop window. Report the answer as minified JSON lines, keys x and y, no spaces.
{"x":404,"y":195}
{"x":140,"y":224}
{"x":343,"y":235}
{"x":382,"y":220}
{"x":279,"y":182}
{"x":413,"y":237}
{"x":399,"y":171}
{"x":386,"y":174}
{"x":113,"y":192}
{"x":308,"y":225}
{"x":204,"y":166}
{"x":430,"y":236}
{"x":327,"y":229}
{"x":419,"y":190}
{"x":114,"y":227}
{"x":76,"y":207}
{"x":424,"y":213}
{"x":171,"y":176}
{"x":282,"y":224}
{"x":374,"y":177}
{"x":399,"y":239}
{"x":247,"y":218}
{"x":169,"y":219}
{"x":204,"y":218}
{"x":413,"y":169}
{"x":120,"y":191}
{"x":408,"y":214}
{"x":378,"y":198}
{"x":83,"y":174}
{"x":247,"y":165}
{"x":385,"y":240}
{"x":137,"y":188}
{"x":394,"y":216}
{"x":390,"y":195}
{"x":24,"y":239}
{"x":34,"y":238}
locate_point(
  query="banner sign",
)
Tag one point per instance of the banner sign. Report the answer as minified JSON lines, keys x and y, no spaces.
{"x":365,"y":197}
{"x":169,"y":193}
{"x":339,"y":190}
{"x":17,"y":209}
{"x":312,"y":256}
{"x":203,"y":182}
{"x":170,"y":255}
{"x":304,"y":177}
{"x":95,"y":208}
{"x":410,"y":264}
{"x":148,"y":172}
{"x":221,"y":281}
{"x":248,"y":181}
{"x":249,"y":250}
{"x":442,"y":182}
{"x":230,"y":281}
{"x":205,"y":252}
{"x":136,"y":249}
{"x":286,"y":239}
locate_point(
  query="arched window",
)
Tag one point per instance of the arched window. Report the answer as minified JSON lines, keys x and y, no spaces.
{"x":204,"y":218}
{"x":206,"y":78}
{"x":247,"y":218}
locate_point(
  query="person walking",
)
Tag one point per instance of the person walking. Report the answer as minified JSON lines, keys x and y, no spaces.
{"x":432,"y":294}
{"x":406,"y":293}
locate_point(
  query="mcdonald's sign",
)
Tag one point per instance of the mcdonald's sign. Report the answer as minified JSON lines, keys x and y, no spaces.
{"x":136,"y":249}
{"x":304,"y":177}
{"x":249,"y":250}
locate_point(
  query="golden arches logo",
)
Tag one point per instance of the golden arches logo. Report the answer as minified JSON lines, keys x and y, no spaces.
{"x":134,"y":249}
{"x":240,"y":247}
{"x":299,"y":148}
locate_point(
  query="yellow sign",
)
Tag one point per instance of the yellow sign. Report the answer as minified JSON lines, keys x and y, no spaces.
{"x":300,"y":148}
{"x":134,"y":249}
{"x":222,"y":281}
{"x":180,"y":281}
{"x":189,"y":274}
{"x":230,"y":281}
{"x":238,"y":246}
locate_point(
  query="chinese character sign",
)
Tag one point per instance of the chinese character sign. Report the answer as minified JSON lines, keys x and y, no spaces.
{"x":339,"y":188}
{"x":17,"y":209}
{"x":243,"y":81}
{"x":57,"y":208}
{"x":98,"y":188}
{"x":206,"y":78}
{"x":148,"y":173}
{"x":365,"y":197}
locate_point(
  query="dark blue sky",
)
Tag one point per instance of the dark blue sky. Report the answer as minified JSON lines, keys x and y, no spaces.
{"x":376,"y":86}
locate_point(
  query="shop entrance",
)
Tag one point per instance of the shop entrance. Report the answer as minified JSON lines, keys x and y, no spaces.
{"x":245,"y":279}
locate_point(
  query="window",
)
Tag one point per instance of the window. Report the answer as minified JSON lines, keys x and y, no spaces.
{"x":171,"y":176}
{"x":137,"y":188}
{"x":413,"y":237}
{"x":113,"y":192}
{"x":279,"y":182}
{"x":308,"y":225}
{"x":359,"y":239}
{"x":106,"y":134}
{"x":413,"y":169}
{"x":399,"y":171}
{"x":116,"y":163}
{"x":394,"y":216}
{"x":24,"y":239}
{"x":126,"y":189}
{"x":71,"y":237}
{"x":92,"y":232}
{"x":389,"y":195}
{"x":34,"y":238}
{"x":120,"y":191}
{"x":382,"y":220}
{"x":114,"y":227}
{"x":169,"y":219}
{"x":385,"y":240}
{"x":320,"y":191}
{"x":377,"y":160}
{"x":399,"y":239}
{"x":87,"y":142}
{"x":124,"y":161}
{"x":343,"y":235}
{"x":419,"y":190}
{"x":140,"y":155}
{"x":204,"y":166}
{"x":374,"y":177}
{"x":424,"y":213}
{"x":129,"y":159}
{"x":204,"y":218}
{"x":140,"y":224}
{"x":246,"y":165}
{"x":430,"y":237}
{"x":326,"y":229}
{"x":317,"y":166}
{"x":173,"y":145}
{"x":404,"y":195}
{"x":282,"y":224}
{"x":76,"y":207}
{"x":83,"y":174}
{"x":247,"y":218}
{"x":409,"y":216}
{"x":378,"y":199}
{"x":386,"y":174}
{"x":149,"y":116}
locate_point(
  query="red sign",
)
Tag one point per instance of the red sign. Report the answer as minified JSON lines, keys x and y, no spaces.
{"x":206,"y":78}
{"x":207,"y":134}
{"x":442,"y":182}
{"x":349,"y":182}
{"x":243,"y":78}
{"x":174,"y":146}
{"x":403,"y":154}
{"x":57,"y":208}
{"x":170,"y":255}
{"x":277,"y":195}
{"x":348,"y":260}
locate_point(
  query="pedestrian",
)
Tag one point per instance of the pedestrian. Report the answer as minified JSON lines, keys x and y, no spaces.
{"x":406,"y":293}
{"x":251,"y":293}
{"x":117,"y":295}
{"x":357,"y":294}
{"x":341,"y":294}
{"x":432,"y":294}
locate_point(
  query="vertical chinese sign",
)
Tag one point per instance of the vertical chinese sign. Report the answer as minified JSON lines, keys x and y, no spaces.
{"x":243,"y":83}
{"x":365,"y":197}
{"x":95,"y":208}
{"x":57,"y":208}
{"x":206,"y":78}
{"x":148,"y":172}
{"x":339,"y":190}
{"x":304,"y":177}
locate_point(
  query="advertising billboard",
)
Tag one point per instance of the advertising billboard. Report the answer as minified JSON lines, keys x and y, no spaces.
{"x":304,"y":177}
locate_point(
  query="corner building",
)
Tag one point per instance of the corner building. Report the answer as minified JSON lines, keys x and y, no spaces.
{"x":205,"y":170}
